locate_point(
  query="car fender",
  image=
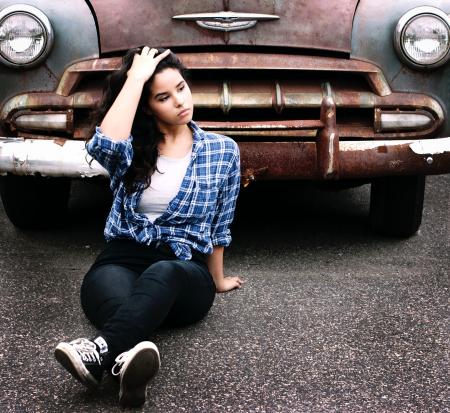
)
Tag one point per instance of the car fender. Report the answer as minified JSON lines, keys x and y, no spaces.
{"x":372,"y":41}
{"x":75,"y":39}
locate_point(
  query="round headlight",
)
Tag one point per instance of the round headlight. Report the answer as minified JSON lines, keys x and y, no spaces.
{"x":26,"y":35}
{"x":422,"y":37}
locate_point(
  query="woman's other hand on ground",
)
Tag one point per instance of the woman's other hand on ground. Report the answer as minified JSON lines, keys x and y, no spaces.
{"x":144,"y":64}
{"x":228,"y":284}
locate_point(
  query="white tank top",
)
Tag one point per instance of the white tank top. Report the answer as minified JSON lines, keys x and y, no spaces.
{"x":165,"y":185}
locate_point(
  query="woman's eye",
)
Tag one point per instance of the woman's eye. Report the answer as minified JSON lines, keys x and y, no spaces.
{"x":181,"y":88}
{"x":163,"y":99}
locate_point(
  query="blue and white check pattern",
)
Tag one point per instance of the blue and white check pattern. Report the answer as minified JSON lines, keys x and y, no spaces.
{"x":201,"y":213}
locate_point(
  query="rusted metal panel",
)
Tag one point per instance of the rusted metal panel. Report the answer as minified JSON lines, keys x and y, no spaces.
{"x":310,"y":25}
{"x":305,"y":24}
{"x":256,"y":61}
{"x":150,"y":22}
{"x":298,"y":160}
{"x":240,"y":61}
{"x":73,"y":74}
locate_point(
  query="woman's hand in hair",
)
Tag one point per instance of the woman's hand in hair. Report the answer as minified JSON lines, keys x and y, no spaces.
{"x":144,"y":64}
{"x":118,"y":121}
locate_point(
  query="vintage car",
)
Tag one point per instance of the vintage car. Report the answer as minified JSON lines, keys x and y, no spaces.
{"x":339,"y":91}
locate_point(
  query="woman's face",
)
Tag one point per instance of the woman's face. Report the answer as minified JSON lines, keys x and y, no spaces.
{"x":170,"y":98}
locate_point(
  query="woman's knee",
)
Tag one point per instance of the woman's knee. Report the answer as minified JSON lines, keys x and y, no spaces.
{"x":104,"y":287}
{"x":190,"y":283}
{"x":165,"y":271}
{"x":177,"y":273}
{"x":109,"y":277}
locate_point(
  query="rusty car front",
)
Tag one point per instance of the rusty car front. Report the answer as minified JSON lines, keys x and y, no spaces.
{"x":342,"y":91}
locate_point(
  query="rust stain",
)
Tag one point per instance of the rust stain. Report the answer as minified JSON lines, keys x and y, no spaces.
{"x":59,"y":141}
{"x":262,"y":125}
{"x":396,"y":163}
{"x":250,"y":175}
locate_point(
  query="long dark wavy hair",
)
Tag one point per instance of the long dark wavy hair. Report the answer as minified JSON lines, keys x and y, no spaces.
{"x":146,"y":134}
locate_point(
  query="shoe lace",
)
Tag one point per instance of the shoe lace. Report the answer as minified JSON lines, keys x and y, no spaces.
{"x":120,"y":359}
{"x":86,"y":349}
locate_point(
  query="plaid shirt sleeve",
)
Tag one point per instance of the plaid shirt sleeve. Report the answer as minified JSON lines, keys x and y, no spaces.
{"x":114,"y":156}
{"x":226,"y":203}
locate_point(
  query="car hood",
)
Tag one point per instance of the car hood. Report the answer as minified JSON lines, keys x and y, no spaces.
{"x":307,"y":24}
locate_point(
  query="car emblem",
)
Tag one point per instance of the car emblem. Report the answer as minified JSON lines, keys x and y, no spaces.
{"x":226,"y":21}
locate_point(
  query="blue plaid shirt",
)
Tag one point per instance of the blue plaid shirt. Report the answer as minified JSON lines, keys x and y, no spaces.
{"x":200,"y":214}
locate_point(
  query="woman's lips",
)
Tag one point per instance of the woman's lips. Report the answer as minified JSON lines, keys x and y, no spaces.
{"x":184,"y":112}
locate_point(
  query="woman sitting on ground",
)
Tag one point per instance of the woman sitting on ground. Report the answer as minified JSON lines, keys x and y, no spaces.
{"x":175,"y":188}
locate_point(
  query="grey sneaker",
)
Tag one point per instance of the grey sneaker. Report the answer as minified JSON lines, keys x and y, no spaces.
{"x":135,"y":369}
{"x":82,"y":359}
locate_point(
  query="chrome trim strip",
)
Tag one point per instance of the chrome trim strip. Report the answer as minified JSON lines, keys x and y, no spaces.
{"x":226,"y":98}
{"x":278,"y":98}
{"x":226,"y":21}
{"x":43,"y":121}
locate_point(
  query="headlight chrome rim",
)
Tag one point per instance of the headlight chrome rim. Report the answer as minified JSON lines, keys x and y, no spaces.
{"x":402,"y":24}
{"x":45,"y":23}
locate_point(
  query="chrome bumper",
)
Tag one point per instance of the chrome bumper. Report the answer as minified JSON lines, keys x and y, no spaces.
{"x":267,"y":160}
{"x":47,"y":157}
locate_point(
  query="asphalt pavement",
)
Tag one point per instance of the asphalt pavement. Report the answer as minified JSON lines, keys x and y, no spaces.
{"x":332,"y":318}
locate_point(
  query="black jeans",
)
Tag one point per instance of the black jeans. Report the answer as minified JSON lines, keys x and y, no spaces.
{"x":132,"y":289}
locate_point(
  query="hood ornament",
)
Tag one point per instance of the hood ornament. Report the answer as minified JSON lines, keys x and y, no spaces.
{"x":226,"y":21}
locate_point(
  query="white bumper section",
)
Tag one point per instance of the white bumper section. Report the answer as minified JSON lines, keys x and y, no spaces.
{"x":47,"y":157}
